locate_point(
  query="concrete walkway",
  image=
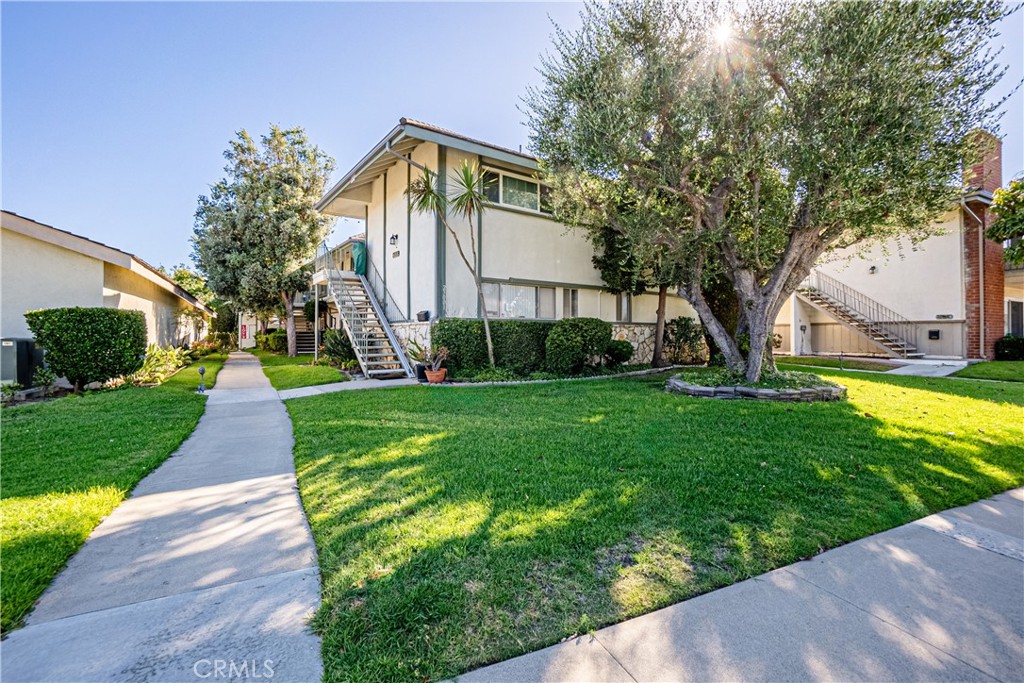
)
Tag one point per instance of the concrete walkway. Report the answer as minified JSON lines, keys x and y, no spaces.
{"x":352,"y":385}
{"x":207,"y":568}
{"x":928,"y":368}
{"x":940,"y":599}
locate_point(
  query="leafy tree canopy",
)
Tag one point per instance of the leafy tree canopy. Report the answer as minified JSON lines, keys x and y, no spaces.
{"x":258,"y":225}
{"x":191,"y":281}
{"x":1008,"y":205}
{"x":749,"y":138}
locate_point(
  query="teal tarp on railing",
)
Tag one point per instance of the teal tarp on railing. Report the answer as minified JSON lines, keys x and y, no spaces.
{"x":359,"y":258}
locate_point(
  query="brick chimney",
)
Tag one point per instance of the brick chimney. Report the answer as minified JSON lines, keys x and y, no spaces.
{"x":983,"y":257}
{"x":987,"y":173}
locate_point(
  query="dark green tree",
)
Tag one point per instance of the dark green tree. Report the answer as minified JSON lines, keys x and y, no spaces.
{"x":258,"y":225}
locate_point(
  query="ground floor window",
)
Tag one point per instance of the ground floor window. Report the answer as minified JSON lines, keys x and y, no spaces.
{"x":624,"y":308}
{"x":519,"y":301}
{"x":1015,"y":318}
{"x":570,"y":303}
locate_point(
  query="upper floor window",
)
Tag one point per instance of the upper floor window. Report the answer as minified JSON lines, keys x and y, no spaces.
{"x":512,"y":190}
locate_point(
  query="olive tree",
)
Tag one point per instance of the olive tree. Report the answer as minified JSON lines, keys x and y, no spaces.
{"x":751,"y":138}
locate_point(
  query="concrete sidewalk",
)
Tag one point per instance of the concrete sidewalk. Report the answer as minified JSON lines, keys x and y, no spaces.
{"x":351,"y":385}
{"x":919,"y":367}
{"x":940,"y":599}
{"x":207,"y":568}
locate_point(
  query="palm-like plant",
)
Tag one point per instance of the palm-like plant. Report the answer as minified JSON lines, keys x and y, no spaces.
{"x":467,"y":202}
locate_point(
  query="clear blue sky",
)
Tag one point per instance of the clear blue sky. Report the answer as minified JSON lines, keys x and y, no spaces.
{"x":114,"y":116}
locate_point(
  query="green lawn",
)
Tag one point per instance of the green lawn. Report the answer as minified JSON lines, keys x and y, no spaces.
{"x":830,"y":362}
{"x":461,"y":526}
{"x":1005,"y":370}
{"x":290,"y":372}
{"x":68,"y":463}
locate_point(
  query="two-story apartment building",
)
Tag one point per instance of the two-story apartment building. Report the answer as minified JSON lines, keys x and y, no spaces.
{"x":531,"y":266}
{"x":936,"y":298}
{"x":949,"y":296}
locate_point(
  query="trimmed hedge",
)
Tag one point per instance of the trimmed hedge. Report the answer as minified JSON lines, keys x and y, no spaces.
{"x":519,"y":345}
{"x":619,"y":351}
{"x":90,"y":344}
{"x":575,"y":342}
{"x":1010,"y":347}
{"x":275,"y":342}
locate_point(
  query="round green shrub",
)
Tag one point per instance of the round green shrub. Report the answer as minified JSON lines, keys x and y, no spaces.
{"x":619,"y":352}
{"x":575,"y":342}
{"x":1010,"y":347}
{"x":90,"y":344}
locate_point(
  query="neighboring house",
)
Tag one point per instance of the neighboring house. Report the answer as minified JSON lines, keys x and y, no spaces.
{"x":933,"y":299}
{"x":44,"y":267}
{"x":532,"y":267}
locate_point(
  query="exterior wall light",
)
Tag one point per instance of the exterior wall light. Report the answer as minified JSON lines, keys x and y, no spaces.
{"x":873,"y":269}
{"x":394,"y":240}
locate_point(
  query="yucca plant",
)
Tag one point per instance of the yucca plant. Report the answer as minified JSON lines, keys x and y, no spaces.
{"x":468,"y":202}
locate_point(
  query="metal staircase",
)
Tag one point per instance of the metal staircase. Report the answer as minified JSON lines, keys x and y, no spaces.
{"x":860,"y":312}
{"x":374,"y":342}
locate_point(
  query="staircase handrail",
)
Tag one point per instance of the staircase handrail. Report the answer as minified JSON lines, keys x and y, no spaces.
{"x":353,"y":324}
{"x":391,"y":308}
{"x":876,"y":316}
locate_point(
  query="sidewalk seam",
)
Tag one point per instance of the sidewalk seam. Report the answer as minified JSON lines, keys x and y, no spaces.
{"x":313,"y":566}
{"x":889,"y":623}
{"x":616,"y":659}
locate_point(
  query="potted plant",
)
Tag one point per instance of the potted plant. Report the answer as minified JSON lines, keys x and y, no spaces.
{"x":430,"y":360}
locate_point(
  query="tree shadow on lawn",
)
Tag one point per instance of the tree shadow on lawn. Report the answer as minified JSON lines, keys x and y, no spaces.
{"x":456,"y":528}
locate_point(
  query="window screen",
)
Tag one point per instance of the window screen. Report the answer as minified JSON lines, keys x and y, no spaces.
{"x":520,"y":193}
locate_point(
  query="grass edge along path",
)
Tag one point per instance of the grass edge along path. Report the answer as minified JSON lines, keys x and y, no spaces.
{"x":69,"y":462}
{"x":1000,"y":370}
{"x":458,"y":528}
{"x":292,"y":372}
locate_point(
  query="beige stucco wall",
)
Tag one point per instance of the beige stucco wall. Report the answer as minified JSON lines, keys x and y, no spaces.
{"x":519,"y":246}
{"x":127,"y":290}
{"x":36,"y":275}
{"x":917,"y":281}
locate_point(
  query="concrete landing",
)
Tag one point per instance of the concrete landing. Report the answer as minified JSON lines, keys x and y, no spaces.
{"x":940,"y":599}
{"x":208,"y":565}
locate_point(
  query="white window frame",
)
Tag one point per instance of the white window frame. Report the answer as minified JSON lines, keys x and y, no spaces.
{"x":624,"y":301}
{"x":518,"y":176}
{"x":536,"y":298}
{"x":570,"y":300}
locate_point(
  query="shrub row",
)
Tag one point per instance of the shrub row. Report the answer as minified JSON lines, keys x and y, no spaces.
{"x":275,"y":342}
{"x":575,"y":343}
{"x":1010,"y":347}
{"x":523,"y":347}
{"x":90,"y":344}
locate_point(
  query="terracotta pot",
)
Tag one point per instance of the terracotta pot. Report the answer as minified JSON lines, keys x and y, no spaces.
{"x":436,"y":376}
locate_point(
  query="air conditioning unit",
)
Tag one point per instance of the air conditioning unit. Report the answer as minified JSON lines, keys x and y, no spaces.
{"x":19,"y":359}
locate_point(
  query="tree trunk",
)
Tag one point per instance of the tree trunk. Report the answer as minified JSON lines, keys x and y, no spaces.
{"x":487,"y":324}
{"x":759,"y":323}
{"x":659,"y":328}
{"x":289,"y":321}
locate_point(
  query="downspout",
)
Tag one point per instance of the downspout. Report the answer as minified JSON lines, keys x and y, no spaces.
{"x":981,"y":278}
